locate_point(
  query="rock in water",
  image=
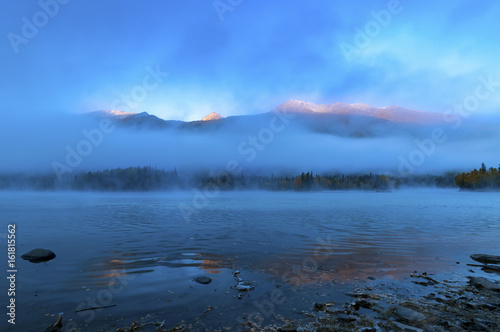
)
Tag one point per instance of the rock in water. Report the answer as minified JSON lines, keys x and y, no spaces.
{"x":203,"y":280}
{"x":407,"y":328}
{"x":480,"y":283}
{"x":244,"y":286}
{"x":409,"y":315}
{"x":38,"y":255}
{"x":56,"y":327}
{"x":486,"y":259}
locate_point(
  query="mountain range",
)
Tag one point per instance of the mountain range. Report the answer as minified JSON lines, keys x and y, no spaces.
{"x":342,"y":119}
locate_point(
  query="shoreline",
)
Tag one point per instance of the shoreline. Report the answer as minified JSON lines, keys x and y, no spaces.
{"x":424,"y":302}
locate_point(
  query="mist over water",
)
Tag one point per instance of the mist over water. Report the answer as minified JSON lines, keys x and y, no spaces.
{"x":256,"y":144}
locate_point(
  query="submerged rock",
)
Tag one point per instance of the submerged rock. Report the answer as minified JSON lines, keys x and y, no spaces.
{"x":203,"y":280}
{"x":38,"y":255}
{"x":486,"y":259}
{"x":483,"y":283}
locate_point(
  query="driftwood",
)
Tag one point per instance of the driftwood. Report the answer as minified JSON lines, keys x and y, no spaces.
{"x":95,"y":308}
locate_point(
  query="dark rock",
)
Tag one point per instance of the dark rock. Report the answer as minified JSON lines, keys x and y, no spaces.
{"x":203,"y":280}
{"x":56,"y":326}
{"x":38,"y":255}
{"x":483,"y":283}
{"x":364,"y":295}
{"x":319,"y":306}
{"x":445,"y":323}
{"x":437,"y":297}
{"x":322,"y":306}
{"x":487,"y":306}
{"x":408,"y":328}
{"x":440,"y":298}
{"x":409,"y":315}
{"x":362,"y":303}
{"x":289,"y":328}
{"x":476,"y":324}
{"x":368,"y":329}
{"x":486,"y":259}
{"x":490,"y":268}
{"x":345,"y":318}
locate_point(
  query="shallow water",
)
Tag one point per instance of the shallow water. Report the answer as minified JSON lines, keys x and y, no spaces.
{"x":136,"y":251}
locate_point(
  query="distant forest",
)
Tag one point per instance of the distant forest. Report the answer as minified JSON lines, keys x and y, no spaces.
{"x":482,"y":179}
{"x":153,"y":179}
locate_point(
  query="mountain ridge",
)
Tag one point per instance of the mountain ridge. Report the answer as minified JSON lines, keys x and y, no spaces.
{"x":393,"y":113}
{"x":390,"y":113}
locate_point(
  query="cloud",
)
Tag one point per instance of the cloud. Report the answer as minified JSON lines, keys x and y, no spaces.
{"x":77,"y":143}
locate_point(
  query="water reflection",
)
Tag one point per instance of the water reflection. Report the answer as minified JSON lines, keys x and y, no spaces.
{"x":351,"y":260}
{"x":97,"y":273}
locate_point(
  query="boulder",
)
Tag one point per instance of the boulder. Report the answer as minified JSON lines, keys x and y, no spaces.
{"x":203,"y":280}
{"x":486,"y":259}
{"x":38,"y":255}
{"x":483,"y":283}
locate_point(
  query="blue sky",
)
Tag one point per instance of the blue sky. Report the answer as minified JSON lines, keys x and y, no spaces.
{"x":243,"y":57}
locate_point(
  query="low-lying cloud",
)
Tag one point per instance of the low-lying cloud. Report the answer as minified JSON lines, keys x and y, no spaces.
{"x":66,"y":145}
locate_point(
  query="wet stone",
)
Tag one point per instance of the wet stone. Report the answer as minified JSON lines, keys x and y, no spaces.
{"x":345,"y":318}
{"x":203,"y":280}
{"x":244,"y":286}
{"x":486,"y":259}
{"x":408,"y":328}
{"x":483,"y":283}
{"x":409,"y":315}
{"x":39,"y":255}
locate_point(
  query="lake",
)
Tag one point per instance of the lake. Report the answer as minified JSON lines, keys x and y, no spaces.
{"x":137,"y":253}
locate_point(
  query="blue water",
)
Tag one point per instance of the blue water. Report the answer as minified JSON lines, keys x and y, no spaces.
{"x":138,"y":251}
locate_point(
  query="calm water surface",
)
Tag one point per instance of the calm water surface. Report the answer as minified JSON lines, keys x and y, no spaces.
{"x":136,"y":251}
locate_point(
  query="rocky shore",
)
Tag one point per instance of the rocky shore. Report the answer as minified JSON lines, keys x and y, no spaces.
{"x":441,"y":305}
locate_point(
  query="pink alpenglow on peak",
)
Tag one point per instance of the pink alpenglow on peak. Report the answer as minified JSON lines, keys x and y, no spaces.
{"x":118,"y":113}
{"x":390,"y":113}
{"x":212,"y":116}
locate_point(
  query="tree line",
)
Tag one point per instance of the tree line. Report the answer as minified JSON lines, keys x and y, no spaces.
{"x":482,"y":179}
{"x":310,"y":181}
{"x":153,"y":179}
